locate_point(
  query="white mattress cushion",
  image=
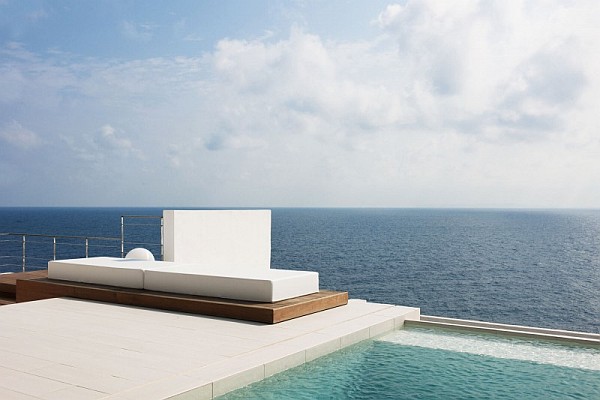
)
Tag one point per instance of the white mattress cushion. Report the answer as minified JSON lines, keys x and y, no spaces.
{"x":265,"y":286}
{"x":110,"y":271}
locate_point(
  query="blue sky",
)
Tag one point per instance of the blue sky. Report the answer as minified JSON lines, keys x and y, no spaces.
{"x":300,"y":103}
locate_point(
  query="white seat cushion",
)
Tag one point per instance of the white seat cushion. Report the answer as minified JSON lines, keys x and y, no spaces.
{"x":103,"y":271}
{"x":263,"y":286}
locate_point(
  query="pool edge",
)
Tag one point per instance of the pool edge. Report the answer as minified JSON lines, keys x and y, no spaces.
{"x":557,"y":335}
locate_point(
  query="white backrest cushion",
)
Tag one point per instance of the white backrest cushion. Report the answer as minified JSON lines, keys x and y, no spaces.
{"x":218,"y":238}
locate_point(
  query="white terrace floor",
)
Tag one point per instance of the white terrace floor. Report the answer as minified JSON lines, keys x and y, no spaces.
{"x":72,"y":349}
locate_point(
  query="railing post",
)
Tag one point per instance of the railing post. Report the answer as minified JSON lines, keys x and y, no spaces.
{"x":87,"y":245}
{"x":23,"y":242}
{"x":162,"y":240}
{"x":54,"y":247}
{"x":122,"y":236}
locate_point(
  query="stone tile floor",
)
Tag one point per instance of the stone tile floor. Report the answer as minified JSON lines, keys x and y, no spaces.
{"x":74,"y":349}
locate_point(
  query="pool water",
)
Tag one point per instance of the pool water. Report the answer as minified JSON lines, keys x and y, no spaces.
{"x":425,"y":364}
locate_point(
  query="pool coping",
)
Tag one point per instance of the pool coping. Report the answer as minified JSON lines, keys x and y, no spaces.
{"x":558,"y":335}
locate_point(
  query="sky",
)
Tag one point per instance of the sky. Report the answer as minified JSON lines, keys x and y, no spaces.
{"x":337,"y":103}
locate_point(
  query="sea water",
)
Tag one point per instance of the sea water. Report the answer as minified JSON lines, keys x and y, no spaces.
{"x":429,"y":364}
{"x":527,"y":267}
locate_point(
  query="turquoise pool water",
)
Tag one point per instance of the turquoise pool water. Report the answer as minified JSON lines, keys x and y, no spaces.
{"x":426,"y":364}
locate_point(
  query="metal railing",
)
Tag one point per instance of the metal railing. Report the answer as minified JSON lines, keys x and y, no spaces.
{"x":142,"y":218}
{"x":20,"y":251}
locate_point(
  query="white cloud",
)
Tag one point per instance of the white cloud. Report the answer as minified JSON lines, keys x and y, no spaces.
{"x":492,"y":61}
{"x":389,"y":16}
{"x":138,"y":31}
{"x":106,"y":145}
{"x":11,"y":84}
{"x":16,"y":135}
{"x":37,"y":15}
{"x":193,"y":38}
{"x":107,"y":139}
{"x":456,"y":104}
{"x":304,"y":86}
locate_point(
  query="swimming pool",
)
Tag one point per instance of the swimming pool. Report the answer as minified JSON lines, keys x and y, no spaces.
{"x":417,"y":363}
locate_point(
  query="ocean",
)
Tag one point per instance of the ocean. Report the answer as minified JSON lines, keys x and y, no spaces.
{"x":527,"y":267}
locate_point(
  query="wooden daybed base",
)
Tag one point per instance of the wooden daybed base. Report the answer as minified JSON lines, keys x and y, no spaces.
{"x":270,"y":313}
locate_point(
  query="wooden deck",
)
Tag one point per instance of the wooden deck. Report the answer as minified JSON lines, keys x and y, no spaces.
{"x":8,"y":284}
{"x":271,"y":313}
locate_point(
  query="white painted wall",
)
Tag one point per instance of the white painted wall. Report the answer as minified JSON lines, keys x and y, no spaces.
{"x":218,"y":238}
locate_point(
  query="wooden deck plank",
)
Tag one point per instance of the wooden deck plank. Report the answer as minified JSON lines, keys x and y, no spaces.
{"x":44,"y":288}
{"x":8,"y":281}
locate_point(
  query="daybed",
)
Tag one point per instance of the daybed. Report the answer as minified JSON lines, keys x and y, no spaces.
{"x":269,"y":285}
{"x":213,"y":253}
